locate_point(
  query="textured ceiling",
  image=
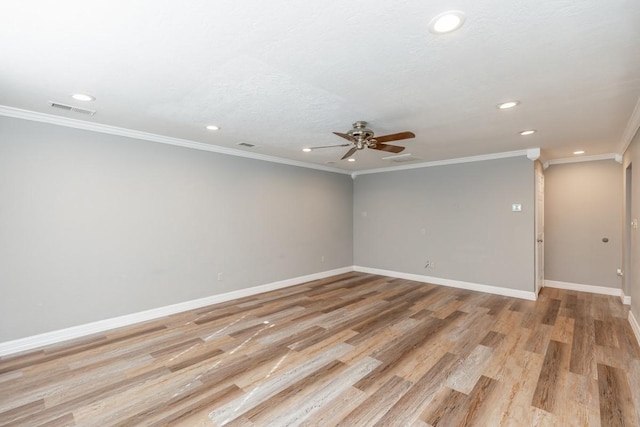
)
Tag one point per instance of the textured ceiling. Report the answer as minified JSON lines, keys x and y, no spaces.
{"x":283,"y":75}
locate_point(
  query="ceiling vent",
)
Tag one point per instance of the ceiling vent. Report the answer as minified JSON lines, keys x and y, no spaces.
{"x":402,"y":158}
{"x":71,"y":108}
{"x":246,"y":144}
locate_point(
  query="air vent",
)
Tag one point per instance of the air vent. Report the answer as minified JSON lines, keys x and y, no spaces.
{"x":402,"y":158}
{"x":71,"y":108}
{"x":246,"y":144}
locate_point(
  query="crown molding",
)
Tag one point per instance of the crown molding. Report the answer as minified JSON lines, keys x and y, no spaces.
{"x":632,"y":128}
{"x":532,"y":153}
{"x":18,"y":113}
{"x":608,"y":156}
{"x":480,"y":158}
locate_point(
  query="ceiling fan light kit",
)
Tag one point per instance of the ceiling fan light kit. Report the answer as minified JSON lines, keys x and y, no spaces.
{"x":361,"y":137}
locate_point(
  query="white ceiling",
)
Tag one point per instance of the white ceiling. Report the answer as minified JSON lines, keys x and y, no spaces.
{"x":284,"y":74}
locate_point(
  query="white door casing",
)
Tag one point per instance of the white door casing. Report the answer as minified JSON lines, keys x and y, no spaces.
{"x":539,"y":230}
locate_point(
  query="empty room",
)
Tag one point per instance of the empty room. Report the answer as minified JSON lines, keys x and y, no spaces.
{"x":412,"y":213}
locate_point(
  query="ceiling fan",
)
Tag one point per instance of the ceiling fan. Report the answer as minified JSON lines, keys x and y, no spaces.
{"x":361,"y":137}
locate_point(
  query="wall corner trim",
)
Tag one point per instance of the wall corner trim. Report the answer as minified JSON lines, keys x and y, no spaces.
{"x":626,"y":299}
{"x":54,"y":337}
{"x":633,"y":125}
{"x":602,"y":290}
{"x":634,"y":325}
{"x":533,"y":154}
{"x":489,"y":289}
{"x":34,"y":116}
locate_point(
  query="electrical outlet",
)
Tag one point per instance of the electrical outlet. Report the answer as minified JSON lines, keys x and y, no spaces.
{"x":430,"y":264}
{"x":322,"y":258}
{"x":219,"y":277}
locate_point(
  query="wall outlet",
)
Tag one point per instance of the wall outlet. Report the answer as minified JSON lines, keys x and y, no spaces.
{"x":322,"y":258}
{"x":430,"y":264}
{"x":219,"y":277}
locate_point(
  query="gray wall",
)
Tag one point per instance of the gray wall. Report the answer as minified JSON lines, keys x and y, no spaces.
{"x":582,"y":205}
{"x":458,"y":216}
{"x":632,"y":271}
{"x":94,"y":226}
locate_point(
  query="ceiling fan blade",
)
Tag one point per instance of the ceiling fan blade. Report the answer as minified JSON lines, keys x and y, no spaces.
{"x":330,"y":146}
{"x":394,"y":136}
{"x":349,"y":153}
{"x":345,"y":136}
{"x":388,"y":147}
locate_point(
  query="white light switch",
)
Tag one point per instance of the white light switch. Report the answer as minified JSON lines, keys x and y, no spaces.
{"x":516,"y":207}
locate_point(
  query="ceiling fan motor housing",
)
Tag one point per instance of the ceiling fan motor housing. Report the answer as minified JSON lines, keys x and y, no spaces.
{"x":362,"y":134}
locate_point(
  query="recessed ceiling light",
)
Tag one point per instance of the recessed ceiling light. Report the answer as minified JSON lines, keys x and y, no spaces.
{"x":579,"y":152}
{"x":508,"y":104}
{"x":446,"y":22}
{"x":306,"y":150}
{"x":213,"y":127}
{"x":527,"y":132}
{"x":351,"y":160}
{"x":83,"y":97}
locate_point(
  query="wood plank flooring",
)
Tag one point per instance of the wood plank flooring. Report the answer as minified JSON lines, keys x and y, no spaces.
{"x":351,"y":350}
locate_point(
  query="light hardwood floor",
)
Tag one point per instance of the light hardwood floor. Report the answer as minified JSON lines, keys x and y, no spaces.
{"x":351,"y":350}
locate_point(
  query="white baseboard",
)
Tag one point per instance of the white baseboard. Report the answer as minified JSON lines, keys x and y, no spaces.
{"x":634,"y":325}
{"x":626,"y":299}
{"x":53,"y":337}
{"x":603,"y":290}
{"x":451,"y":283}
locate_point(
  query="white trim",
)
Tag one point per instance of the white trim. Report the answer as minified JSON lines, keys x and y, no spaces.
{"x":489,"y":289}
{"x":626,"y":299}
{"x":54,"y":337}
{"x":146,"y":136}
{"x":533,"y":154}
{"x":631,"y":129}
{"x":603,"y":290}
{"x":480,"y":158}
{"x":579,"y":159}
{"x":634,"y":325}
